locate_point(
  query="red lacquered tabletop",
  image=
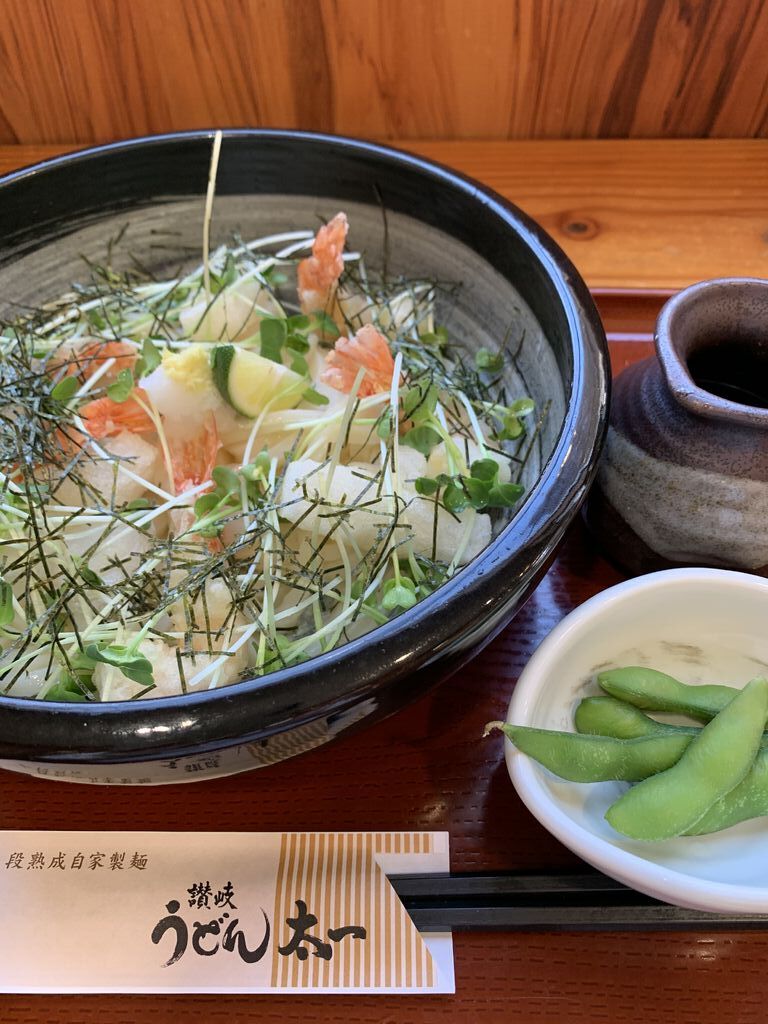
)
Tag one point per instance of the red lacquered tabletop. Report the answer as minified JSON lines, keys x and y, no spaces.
{"x":427,"y":767}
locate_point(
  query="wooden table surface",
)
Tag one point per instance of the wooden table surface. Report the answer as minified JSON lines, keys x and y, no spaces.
{"x":638,"y":219}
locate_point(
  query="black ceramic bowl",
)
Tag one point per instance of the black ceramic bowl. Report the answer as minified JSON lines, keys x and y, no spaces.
{"x":439,"y":223}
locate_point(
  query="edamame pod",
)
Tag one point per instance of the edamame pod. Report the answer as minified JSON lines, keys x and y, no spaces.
{"x":583,"y":758}
{"x":748,"y":800}
{"x":714,"y":763}
{"x":656,"y":691}
{"x":607,"y":716}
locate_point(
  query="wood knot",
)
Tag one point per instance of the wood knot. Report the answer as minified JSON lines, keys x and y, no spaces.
{"x":579,"y":227}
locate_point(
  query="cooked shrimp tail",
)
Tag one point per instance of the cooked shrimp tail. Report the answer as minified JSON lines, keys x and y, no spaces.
{"x":369,"y":349}
{"x":319,"y":273}
{"x":193,"y":460}
{"x":87,"y":358}
{"x":104,"y":417}
{"x":92,"y":357}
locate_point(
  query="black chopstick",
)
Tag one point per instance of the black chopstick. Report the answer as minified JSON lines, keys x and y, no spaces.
{"x":587,"y":901}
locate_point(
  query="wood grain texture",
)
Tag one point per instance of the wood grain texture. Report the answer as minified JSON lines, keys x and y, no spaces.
{"x":688,"y":978}
{"x":94,"y":70}
{"x":629,"y":213}
{"x":649,"y":214}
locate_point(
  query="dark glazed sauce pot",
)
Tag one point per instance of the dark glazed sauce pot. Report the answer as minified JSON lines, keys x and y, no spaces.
{"x":684,"y":475}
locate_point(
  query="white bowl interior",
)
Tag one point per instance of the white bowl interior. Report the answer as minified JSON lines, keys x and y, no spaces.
{"x":700,"y":625}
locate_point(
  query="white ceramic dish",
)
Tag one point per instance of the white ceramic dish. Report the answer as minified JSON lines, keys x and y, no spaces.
{"x":700,"y":625}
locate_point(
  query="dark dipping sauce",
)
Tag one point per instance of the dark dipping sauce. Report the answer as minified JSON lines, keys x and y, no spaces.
{"x":735,"y":370}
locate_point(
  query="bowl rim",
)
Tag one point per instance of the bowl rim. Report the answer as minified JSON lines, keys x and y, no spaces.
{"x":541,"y":520}
{"x":664,"y":883}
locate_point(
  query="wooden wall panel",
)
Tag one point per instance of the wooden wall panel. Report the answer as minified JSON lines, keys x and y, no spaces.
{"x":89,"y":70}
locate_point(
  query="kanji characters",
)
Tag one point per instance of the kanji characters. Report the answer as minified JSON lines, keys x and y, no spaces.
{"x":301,"y":925}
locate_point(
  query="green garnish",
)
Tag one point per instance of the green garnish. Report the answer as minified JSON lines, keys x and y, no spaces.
{"x":423,"y":439}
{"x":314,"y":397}
{"x":149,"y":359}
{"x":132,"y":664}
{"x":272,"y":334}
{"x":399,"y":593}
{"x":489,"y":362}
{"x":121,"y":387}
{"x":66,"y":692}
{"x":65,"y":389}
{"x":481,"y":489}
{"x":6,"y":603}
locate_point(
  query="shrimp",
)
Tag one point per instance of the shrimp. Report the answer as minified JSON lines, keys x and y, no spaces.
{"x":91,"y":358}
{"x":192,"y":463}
{"x":86,"y":359}
{"x":368,"y":349}
{"x":319,"y":273}
{"x":104,"y":417}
